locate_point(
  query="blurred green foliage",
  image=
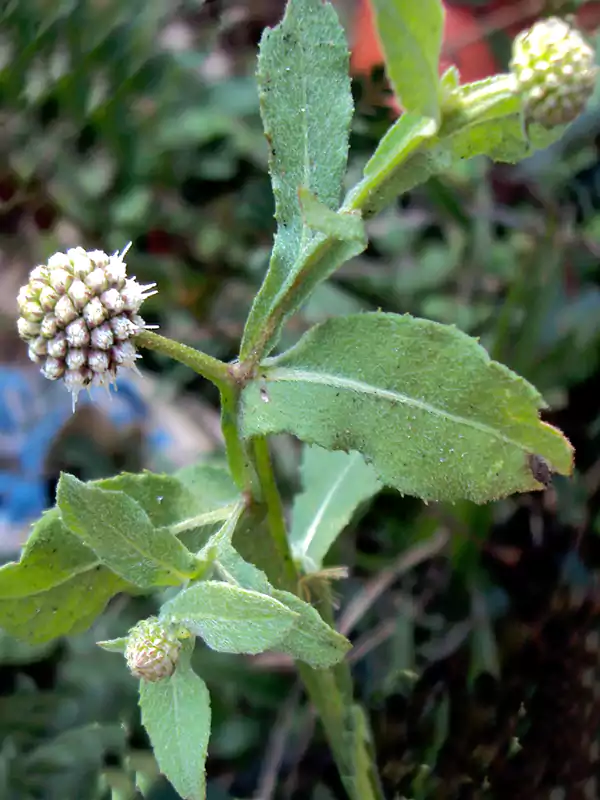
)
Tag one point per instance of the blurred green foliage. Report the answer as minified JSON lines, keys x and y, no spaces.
{"x":139,"y":121}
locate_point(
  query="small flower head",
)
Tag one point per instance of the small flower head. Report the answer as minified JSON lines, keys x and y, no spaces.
{"x":152,"y":650}
{"x":555,"y":70}
{"x":79,"y":314}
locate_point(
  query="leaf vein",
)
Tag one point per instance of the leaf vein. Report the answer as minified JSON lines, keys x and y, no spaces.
{"x":341,"y":382}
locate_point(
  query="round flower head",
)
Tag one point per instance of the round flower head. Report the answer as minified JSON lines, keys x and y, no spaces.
{"x":152,"y":650}
{"x":79,"y":313}
{"x":555,"y":70}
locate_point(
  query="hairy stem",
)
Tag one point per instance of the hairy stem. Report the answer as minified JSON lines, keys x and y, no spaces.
{"x":202,"y":364}
{"x":238,"y":456}
{"x":275,"y":518}
{"x":221,"y":374}
{"x":330,"y":690}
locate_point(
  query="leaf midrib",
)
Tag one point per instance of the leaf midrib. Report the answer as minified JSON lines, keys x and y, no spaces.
{"x":88,"y":567}
{"x":323,"y":506}
{"x":284,"y":374}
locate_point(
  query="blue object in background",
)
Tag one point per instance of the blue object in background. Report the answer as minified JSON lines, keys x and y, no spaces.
{"x":32,"y":413}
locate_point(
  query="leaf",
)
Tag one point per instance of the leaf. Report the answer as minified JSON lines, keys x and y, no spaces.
{"x":311,"y":639}
{"x":231,"y":566}
{"x":404,"y":138}
{"x":502,"y":140}
{"x":306,"y":107}
{"x":422,"y":401}
{"x":57,"y":587}
{"x":230,"y":619}
{"x":170,"y":500}
{"x":165,"y":498}
{"x":484,"y":118}
{"x":335,"y":484}
{"x":68,"y":608}
{"x":176,"y":713}
{"x":51,"y":555}
{"x":121,"y":534}
{"x":411,"y":37}
{"x":211,"y":486}
{"x":342,"y":226}
{"x":84,"y":745}
{"x":253,"y":541}
{"x":114,"y":645}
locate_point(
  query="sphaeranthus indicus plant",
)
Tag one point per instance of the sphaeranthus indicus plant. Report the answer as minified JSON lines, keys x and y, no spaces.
{"x":379,"y":399}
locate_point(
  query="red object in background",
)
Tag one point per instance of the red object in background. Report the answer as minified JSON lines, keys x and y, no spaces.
{"x":473,"y":59}
{"x":465,"y":34}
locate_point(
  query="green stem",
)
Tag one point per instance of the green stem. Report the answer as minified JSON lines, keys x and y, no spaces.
{"x":275,"y":516}
{"x":221,"y":374}
{"x":330,"y":690}
{"x":238,"y":455}
{"x":202,"y":364}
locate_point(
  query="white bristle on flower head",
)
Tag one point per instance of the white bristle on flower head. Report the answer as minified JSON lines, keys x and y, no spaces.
{"x":79,"y":315}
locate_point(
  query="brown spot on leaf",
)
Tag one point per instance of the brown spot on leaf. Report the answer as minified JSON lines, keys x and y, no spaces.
{"x":540,"y":469}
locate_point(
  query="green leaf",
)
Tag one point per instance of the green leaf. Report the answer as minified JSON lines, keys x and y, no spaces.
{"x":211,"y":485}
{"x":121,"y":534}
{"x":411,"y":37}
{"x":335,"y":484}
{"x":57,"y":587}
{"x":343,"y":226}
{"x":306,"y":107}
{"x":230,"y":619}
{"x":166,"y":499}
{"x":253,"y":541}
{"x":114,"y":645}
{"x":84,"y":746}
{"x":68,"y":608}
{"x":230,"y":566}
{"x":51,"y":556}
{"x":403,"y":139}
{"x":176,"y":714}
{"x":501,"y":140}
{"x":172,"y":501}
{"x":482,"y":118}
{"x":311,"y":639}
{"x":422,"y":401}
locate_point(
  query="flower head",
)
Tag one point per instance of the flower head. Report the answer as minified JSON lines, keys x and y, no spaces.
{"x":555,"y":70}
{"x":79,"y":314}
{"x":152,"y":650}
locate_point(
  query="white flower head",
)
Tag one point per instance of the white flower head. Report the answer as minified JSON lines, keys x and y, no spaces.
{"x":79,"y":316}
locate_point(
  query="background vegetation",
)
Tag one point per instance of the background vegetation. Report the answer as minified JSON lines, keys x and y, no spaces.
{"x":475,"y":628}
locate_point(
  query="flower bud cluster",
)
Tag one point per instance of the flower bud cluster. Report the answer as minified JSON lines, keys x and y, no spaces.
{"x":79,"y":314}
{"x":555,"y":71}
{"x":152,"y":650}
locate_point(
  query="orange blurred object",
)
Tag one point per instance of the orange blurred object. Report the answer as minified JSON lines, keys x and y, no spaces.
{"x":473,"y":59}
